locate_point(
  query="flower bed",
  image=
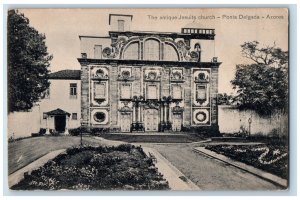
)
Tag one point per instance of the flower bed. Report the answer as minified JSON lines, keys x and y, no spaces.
{"x":271,"y":158}
{"x":124,"y":167}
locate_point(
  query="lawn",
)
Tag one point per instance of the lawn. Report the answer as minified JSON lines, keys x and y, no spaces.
{"x":25,"y":151}
{"x":124,"y":167}
{"x":272,"y":158}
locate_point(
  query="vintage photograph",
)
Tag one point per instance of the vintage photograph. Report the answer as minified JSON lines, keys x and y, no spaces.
{"x":168,"y":99}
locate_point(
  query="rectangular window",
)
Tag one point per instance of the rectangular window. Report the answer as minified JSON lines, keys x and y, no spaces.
{"x":125,"y":91}
{"x":99,"y":91}
{"x":201,"y":92}
{"x":73,"y":90}
{"x":176,"y":92}
{"x":121,"y":25}
{"x":152,"y":92}
{"x":45,"y":115}
{"x":98,"y":51}
{"x":74,"y":116}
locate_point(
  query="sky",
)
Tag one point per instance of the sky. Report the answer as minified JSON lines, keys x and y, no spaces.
{"x":233,"y":27}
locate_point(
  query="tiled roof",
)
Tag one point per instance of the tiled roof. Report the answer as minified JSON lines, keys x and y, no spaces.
{"x":66,"y":74}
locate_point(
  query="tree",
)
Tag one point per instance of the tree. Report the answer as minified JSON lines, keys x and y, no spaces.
{"x":263,"y":85}
{"x":224,"y":99}
{"x":268,"y":56}
{"x":28,"y":62}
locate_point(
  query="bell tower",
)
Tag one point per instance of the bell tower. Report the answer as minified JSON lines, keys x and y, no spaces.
{"x":120,"y":23}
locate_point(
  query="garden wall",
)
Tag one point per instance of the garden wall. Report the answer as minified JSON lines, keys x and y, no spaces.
{"x":22,"y":124}
{"x":232,"y":120}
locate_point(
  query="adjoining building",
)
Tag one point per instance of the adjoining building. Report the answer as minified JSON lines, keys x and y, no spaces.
{"x":60,"y":107}
{"x":149,"y":81}
{"x":58,"y":110}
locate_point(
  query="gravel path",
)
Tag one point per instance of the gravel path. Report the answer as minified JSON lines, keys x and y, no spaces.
{"x":208,"y":173}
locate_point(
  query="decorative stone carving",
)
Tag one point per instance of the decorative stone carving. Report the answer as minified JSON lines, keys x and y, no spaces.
{"x":151,"y":104}
{"x":177,"y":109}
{"x":202,"y":77}
{"x":125,"y":74}
{"x":114,"y":51}
{"x":177,"y":75}
{"x":184,"y":51}
{"x":152,"y":75}
{"x":99,"y":73}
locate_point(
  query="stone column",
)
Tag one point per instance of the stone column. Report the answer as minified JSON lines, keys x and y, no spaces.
{"x":165,"y":111}
{"x":47,"y":127}
{"x":134,"y":110}
{"x":67,"y":126}
{"x":139,"y":113}
{"x":168,"y":112}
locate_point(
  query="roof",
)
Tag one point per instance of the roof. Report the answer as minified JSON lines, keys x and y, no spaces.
{"x":58,"y":111}
{"x":66,"y":74}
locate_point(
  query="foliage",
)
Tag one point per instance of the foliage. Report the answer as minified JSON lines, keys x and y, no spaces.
{"x":268,"y":56}
{"x":28,"y":62}
{"x":225,"y":99}
{"x":271,"y":157}
{"x":92,"y":131}
{"x":123,"y":167}
{"x":263,"y":85}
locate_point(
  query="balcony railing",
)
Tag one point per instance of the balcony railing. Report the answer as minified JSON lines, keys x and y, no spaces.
{"x":198,"y":31}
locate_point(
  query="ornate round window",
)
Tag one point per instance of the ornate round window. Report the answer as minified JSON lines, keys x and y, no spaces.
{"x":100,"y":73}
{"x":99,"y":116}
{"x":201,"y":116}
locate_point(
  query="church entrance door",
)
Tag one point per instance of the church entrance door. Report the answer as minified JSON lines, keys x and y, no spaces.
{"x":125,"y":122}
{"x":151,"y":120}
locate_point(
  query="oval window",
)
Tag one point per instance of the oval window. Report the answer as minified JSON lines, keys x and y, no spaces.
{"x":201,"y":116}
{"x":99,"y":116}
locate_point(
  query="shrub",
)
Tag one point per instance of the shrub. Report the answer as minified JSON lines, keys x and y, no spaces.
{"x":79,"y":130}
{"x":99,"y":131}
{"x":42,"y":131}
{"x":91,"y":168}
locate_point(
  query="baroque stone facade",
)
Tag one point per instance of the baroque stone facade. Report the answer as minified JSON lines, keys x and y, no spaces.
{"x":149,"y":81}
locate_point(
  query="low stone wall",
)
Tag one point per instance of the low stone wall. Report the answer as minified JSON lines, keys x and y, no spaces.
{"x":233,"y":120}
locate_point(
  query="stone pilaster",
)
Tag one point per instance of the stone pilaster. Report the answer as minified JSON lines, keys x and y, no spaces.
{"x":114,"y":96}
{"x":187,"y":72}
{"x":214,"y":93}
{"x":84,"y":95}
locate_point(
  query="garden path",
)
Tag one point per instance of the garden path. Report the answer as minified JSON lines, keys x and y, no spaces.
{"x":209,"y":173}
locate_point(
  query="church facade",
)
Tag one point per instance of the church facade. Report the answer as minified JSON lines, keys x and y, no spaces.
{"x":134,"y":81}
